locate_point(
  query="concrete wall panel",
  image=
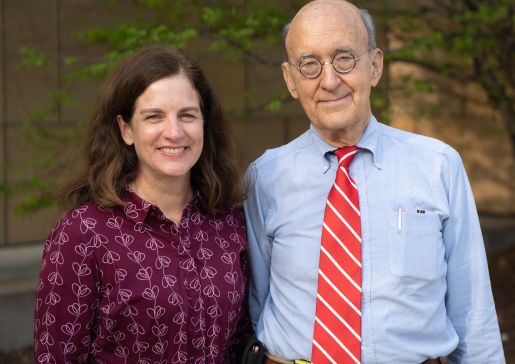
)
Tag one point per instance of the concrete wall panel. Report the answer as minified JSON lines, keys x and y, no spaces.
{"x":24,"y":26}
{"x":3,"y":170}
{"x":74,"y":18}
{"x":26,"y":160}
{"x":256,"y":135}
{"x":226,"y":76}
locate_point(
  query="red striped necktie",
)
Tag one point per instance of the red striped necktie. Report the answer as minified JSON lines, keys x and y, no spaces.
{"x":337,"y":334}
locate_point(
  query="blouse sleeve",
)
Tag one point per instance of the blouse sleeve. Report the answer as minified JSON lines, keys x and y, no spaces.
{"x":244,"y":327}
{"x":67,"y":295}
{"x":241,"y":334}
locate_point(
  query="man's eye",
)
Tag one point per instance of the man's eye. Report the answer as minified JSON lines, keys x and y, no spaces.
{"x":343,"y":57}
{"x":310,"y":63}
{"x":153,"y":116}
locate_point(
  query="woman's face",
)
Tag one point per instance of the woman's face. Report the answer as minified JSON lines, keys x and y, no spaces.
{"x":167,"y":130}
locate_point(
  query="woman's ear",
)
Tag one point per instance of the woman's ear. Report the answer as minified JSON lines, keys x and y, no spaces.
{"x":125,"y":130}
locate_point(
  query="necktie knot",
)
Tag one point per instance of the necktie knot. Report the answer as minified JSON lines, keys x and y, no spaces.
{"x":345,"y":155}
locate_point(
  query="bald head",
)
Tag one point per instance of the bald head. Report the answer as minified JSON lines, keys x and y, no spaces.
{"x":331,"y":37}
{"x":358,"y":19}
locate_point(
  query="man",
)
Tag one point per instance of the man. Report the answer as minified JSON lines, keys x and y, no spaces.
{"x":415,"y":280}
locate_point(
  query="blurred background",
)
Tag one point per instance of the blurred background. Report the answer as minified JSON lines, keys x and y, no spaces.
{"x":449,"y":74}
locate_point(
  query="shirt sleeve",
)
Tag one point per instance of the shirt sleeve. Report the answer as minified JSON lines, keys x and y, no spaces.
{"x":259,"y":248}
{"x":469,"y":301}
{"x":66,"y":297}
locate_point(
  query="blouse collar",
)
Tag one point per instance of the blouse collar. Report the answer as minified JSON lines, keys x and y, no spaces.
{"x":137,"y":209}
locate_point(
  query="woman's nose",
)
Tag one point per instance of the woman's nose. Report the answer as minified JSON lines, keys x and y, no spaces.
{"x":173,"y":127}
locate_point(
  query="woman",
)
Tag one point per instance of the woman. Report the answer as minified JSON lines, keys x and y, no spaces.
{"x":149,"y":264}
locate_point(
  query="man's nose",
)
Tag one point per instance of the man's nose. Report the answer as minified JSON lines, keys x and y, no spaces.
{"x":329,"y":78}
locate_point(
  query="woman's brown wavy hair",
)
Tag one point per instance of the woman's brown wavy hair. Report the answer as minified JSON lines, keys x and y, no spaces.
{"x":108,"y":165}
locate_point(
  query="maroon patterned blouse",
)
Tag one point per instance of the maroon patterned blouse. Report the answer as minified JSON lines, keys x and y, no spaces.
{"x":127,"y":285}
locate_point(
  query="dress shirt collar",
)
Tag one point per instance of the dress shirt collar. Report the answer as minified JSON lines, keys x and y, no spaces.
{"x":322,"y":146}
{"x":369,"y":141}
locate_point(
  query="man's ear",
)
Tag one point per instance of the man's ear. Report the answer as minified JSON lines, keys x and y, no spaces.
{"x":290,"y":83}
{"x":377,"y":66}
{"x":125,"y":130}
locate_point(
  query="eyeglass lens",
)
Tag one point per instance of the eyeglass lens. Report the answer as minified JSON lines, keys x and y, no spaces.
{"x":342,"y":63}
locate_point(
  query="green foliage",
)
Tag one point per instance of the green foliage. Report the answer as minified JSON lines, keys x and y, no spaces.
{"x":128,"y":38}
{"x":34,"y":203}
{"x":124,"y":40}
{"x":32,"y":58}
{"x":274,"y":105}
{"x":465,"y":41}
{"x":70,"y":61}
{"x":211,"y":16}
{"x":423,"y":86}
{"x":155,"y":3}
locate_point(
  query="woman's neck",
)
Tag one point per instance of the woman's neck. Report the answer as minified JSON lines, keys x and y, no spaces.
{"x":170,"y":196}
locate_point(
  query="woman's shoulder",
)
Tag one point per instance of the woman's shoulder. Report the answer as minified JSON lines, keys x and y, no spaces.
{"x":87,"y":212}
{"x":234,"y":213}
{"x":230,"y":219}
{"x":80,"y":221}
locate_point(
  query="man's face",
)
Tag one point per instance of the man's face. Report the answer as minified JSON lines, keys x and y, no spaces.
{"x":338,"y":105}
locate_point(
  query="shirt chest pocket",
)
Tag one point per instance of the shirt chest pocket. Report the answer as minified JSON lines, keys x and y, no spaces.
{"x":415,"y":247}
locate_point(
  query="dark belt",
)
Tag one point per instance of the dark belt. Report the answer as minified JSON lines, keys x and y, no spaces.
{"x":428,"y":361}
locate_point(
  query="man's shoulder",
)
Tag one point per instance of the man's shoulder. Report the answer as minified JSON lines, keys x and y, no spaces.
{"x":398,"y":143}
{"x":283,"y":153}
{"x":410,"y":140}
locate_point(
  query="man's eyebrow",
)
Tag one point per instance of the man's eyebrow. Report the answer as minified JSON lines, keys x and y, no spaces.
{"x":343,"y":50}
{"x":307,"y":55}
{"x":337,"y":50}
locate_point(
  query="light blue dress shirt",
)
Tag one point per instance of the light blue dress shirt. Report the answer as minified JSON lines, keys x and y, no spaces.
{"x":426,"y":287}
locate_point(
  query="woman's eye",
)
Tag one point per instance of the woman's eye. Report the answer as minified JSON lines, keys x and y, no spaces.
{"x":188,"y":116}
{"x":152,"y":117}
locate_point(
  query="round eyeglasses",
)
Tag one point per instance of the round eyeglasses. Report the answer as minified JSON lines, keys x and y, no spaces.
{"x":343,"y":62}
